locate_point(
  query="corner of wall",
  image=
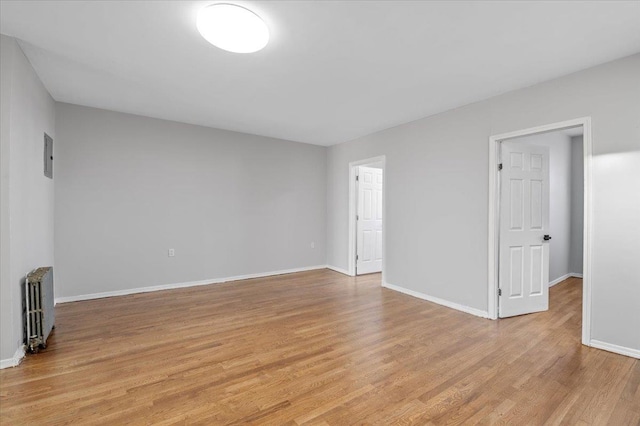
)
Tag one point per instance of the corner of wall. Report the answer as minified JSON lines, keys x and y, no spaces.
{"x":437,"y":300}
{"x":14,"y":361}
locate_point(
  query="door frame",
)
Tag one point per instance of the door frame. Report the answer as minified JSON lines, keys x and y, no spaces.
{"x":353,"y":210}
{"x":494,"y":215}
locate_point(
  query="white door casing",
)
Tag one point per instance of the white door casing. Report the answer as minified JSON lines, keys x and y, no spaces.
{"x":369,"y":221}
{"x":524,"y":222}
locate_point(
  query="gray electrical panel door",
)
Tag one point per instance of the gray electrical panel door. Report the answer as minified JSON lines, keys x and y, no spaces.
{"x":48,"y":156}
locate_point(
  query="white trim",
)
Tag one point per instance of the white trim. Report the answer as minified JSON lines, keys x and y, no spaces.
{"x":183,"y":285}
{"x":622,"y":350}
{"x":452,"y":305}
{"x":340,"y":270}
{"x":559,"y":280}
{"x":353,"y":166}
{"x":493,"y":239}
{"x":15,"y":361}
{"x":587,"y":231}
{"x":564,"y":277}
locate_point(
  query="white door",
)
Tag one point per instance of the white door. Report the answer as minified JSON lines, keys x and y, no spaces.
{"x":524,"y":228}
{"x":369,"y":221}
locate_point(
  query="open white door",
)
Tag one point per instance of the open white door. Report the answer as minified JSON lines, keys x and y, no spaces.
{"x":524,"y":228}
{"x":369,"y":221}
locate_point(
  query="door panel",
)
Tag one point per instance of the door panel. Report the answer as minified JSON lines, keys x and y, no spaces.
{"x":536,"y":204}
{"x":369,"y":222}
{"x":524,"y":220}
{"x":537,"y":269}
{"x":516,"y":265}
{"x":517,"y":204}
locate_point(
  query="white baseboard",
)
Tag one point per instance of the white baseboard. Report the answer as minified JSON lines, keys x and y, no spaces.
{"x":448,"y":304}
{"x":633,"y":353}
{"x":559,"y":280}
{"x":125,"y":292}
{"x":340,"y":270}
{"x":564,"y":277}
{"x":12,"y":362}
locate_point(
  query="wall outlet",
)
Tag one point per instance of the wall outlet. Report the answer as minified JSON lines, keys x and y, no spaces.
{"x":313,"y":244}
{"x":172,"y":252}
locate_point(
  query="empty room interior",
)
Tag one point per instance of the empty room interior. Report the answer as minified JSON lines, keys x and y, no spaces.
{"x":320,"y":212}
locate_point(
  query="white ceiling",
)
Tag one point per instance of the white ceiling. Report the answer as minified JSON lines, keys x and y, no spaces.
{"x":333,"y":70}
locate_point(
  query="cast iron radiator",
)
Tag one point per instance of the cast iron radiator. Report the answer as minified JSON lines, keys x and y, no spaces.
{"x":39,"y":308}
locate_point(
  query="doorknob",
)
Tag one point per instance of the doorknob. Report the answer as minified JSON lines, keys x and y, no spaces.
{"x":546,"y":237}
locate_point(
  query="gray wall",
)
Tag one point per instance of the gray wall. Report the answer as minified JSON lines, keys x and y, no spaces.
{"x":559,"y":146}
{"x":577,"y":204}
{"x":26,"y":216}
{"x":128,"y":188}
{"x":437,"y":192}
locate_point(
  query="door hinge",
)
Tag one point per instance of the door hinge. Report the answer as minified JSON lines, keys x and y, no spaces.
{"x":357,"y":178}
{"x":357,"y":217}
{"x":499,"y":292}
{"x":357,"y":257}
{"x":500,"y":166}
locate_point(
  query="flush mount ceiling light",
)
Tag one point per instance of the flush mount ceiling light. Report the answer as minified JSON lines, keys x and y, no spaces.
{"x":232,"y":28}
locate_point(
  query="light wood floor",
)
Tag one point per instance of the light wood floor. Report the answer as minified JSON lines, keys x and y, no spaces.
{"x":318,"y":348}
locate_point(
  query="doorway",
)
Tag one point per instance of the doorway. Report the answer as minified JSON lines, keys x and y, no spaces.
{"x":367,"y":216}
{"x":520,"y":234}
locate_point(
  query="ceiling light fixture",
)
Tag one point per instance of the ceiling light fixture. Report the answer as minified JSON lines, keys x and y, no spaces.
{"x":232,"y":28}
